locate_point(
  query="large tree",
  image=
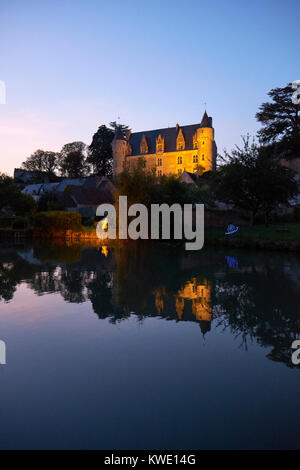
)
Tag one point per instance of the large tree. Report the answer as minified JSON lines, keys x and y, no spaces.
{"x":252,"y":179}
{"x":42,"y":161}
{"x":100,"y":151}
{"x":72,"y":160}
{"x":281,"y":122}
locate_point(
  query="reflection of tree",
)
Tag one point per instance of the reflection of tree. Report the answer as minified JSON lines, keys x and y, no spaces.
{"x":58,"y":251}
{"x":100,"y":294}
{"x":72,"y":283}
{"x":261,"y":306}
{"x":7,"y":282}
{"x":12,"y":270}
{"x":45,"y":281}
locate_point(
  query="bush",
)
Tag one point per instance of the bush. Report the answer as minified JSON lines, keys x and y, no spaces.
{"x":57,"y":221}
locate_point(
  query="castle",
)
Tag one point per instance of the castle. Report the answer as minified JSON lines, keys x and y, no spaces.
{"x":168,"y":151}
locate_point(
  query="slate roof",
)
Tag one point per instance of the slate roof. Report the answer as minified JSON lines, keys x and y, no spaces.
{"x":170,"y":136}
{"x":70,"y":181}
{"x":32,"y":189}
{"x":89,"y":196}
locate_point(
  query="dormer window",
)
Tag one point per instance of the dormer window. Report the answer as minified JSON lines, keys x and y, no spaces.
{"x":195,"y":144}
{"x":160,"y":144}
{"x":180,"y":142}
{"x":179,"y":160}
{"x":144,"y":145}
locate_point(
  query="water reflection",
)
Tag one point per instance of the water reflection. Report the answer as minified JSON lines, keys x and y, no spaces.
{"x":255,"y":296}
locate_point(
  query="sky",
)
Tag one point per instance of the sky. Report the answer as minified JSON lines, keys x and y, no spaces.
{"x":70,"y":66}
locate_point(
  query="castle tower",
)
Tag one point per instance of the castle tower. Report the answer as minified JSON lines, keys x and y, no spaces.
{"x":207,"y":150}
{"x":119,"y":149}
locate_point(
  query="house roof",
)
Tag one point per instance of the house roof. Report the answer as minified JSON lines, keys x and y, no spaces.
{"x":49,"y":187}
{"x":170,"y":135}
{"x":89,"y":196}
{"x":32,"y":189}
{"x":70,"y":181}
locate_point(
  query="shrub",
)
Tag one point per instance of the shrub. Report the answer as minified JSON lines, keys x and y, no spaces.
{"x":57,"y":221}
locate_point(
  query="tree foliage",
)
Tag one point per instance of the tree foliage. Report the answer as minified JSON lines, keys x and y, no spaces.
{"x":49,"y":201}
{"x":100,"y":151}
{"x":254,"y":180}
{"x":281,"y":122}
{"x":72,"y":160}
{"x":12,"y":199}
{"x":42,"y":161}
{"x":48,"y":223}
{"x":114,"y":125}
{"x":143,"y":186}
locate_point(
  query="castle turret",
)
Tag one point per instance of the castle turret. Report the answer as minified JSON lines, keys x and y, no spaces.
{"x":207,"y":150}
{"x":119,"y":149}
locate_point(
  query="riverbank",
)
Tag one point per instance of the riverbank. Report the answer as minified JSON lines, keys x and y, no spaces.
{"x":279,"y":237}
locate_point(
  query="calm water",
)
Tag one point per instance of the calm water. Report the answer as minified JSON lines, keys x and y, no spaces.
{"x":148,"y":347}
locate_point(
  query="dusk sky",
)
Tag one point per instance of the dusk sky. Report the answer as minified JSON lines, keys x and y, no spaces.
{"x":70,"y":66}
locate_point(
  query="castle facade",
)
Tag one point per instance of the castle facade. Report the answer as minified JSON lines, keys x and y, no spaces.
{"x":167,"y":151}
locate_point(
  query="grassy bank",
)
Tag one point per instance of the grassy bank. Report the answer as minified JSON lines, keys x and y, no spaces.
{"x":283,"y":236}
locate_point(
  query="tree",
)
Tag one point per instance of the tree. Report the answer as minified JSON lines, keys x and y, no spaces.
{"x":100,"y":151}
{"x":50,"y":201}
{"x":281,"y":122}
{"x":254,"y":180}
{"x":116,"y":125}
{"x":143,"y":186}
{"x":12,"y":198}
{"x":42,"y":161}
{"x":72,"y":160}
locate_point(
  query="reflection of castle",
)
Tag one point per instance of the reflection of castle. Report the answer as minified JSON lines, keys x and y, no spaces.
{"x":199,"y":293}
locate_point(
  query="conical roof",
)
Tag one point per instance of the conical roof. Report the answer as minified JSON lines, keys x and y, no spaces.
{"x":206,"y":122}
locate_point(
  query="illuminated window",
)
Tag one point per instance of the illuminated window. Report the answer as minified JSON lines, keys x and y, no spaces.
{"x":179,"y":160}
{"x":195,"y":159}
{"x":179,"y":172}
{"x":202,"y":157}
{"x":159,"y":162}
{"x":159,"y":172}
{"x":203,"y":143}
{"x":195,"y":145}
